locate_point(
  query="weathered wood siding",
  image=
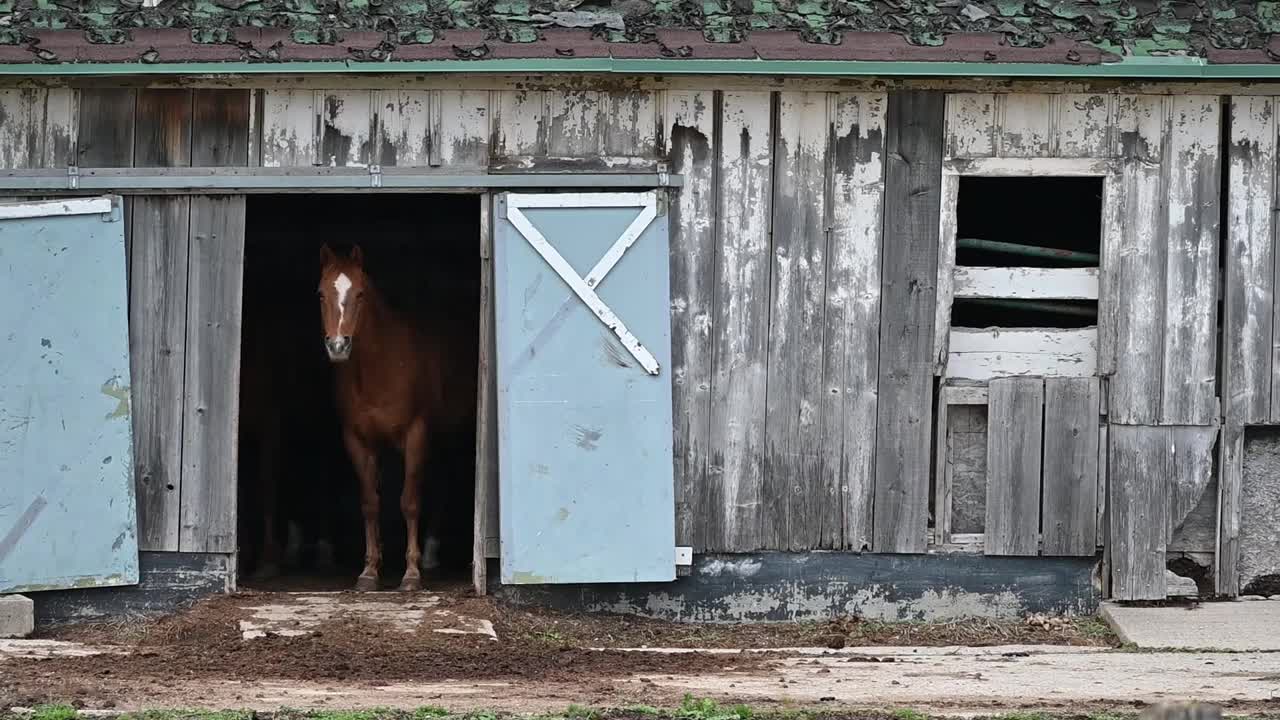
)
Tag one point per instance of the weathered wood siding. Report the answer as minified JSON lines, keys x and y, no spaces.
{"x":804,"y":358}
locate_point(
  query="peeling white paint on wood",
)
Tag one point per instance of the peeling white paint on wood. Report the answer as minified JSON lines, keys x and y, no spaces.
{"x":406,"y":127}
{"x":801,"y":487}
{"x":1024,"y":124}
{"x":1193,"y":178}
{"x":346,"y":129}
{"x":1081,"y":125}
{"x":36,"y":128}
{"x":629,"y":124}
{"x":1027,"y":283}
{"x":947,"y":213}
{"x":289,"y":137}
{"x":852,"y":335}
{"x":574,"y":123}
{"x":971,"y":125}
{"x":1033,"y":167}
{"x":1139,"y":269}
{"x":520,"y":123}
{"x":982,"y":354}
{"x":1248,"y":324}
{"x":462,"y":137}
{"x":690,"y":122}
{"x":741,"y":319}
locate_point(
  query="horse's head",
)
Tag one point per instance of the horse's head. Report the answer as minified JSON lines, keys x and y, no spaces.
{"x":341,"y":292}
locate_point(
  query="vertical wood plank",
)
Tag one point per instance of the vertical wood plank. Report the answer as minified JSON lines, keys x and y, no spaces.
{"x":1249,"y":291}
{"x":106,"y":127}
{"x":1140,"y":261}
{"x":1081,"y":126}
{"x":574,"y":127}
{"x":347,"y":129}
{"x":1193,"y":177}
{"x":692,"y":154}
{"x":406,"y":127}
{"x":801,"y":508}
{"x":1226,"y":569}
{"x":1191,"y":470}
{"x":1115,"y":210}
{"x":913,"y":179}
{"x":1015,"y":416}
{"x":946,"y":270}
{"x":628,"y":124}
{"x":1069,"y":504}
{"x":971,"y":125}
{"x":942,"y":471}
{"x":852,"y":336}
{"x":157,"y":358}
{"x":740,"y":320}
{"x":162,"y":128}
{"x":520,"y":124}
{"x":464,"y":128}
{"x":210,"y":403}
{"x":1102,"y":501}
{"x":221,"y":128}
{"x":36,"y":127}
{"x":1025,"y":120}
{"x":289,"y":128}
{"x":486,"y":412}
{"x":1137,"y":508}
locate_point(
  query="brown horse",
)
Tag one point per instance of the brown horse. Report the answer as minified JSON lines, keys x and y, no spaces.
{"x":393,"y":387}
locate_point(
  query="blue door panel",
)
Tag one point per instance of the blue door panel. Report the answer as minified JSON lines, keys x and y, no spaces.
{"x":67,"y":508}
{"x":585,"y":432}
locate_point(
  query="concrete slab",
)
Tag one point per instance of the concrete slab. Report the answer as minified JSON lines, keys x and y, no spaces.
{"x":17,"y":616}
{"x":1240,"y":625}
{"x":297,"y":614}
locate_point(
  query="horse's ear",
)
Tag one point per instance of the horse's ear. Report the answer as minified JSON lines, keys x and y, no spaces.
{"x":326,"y":255}
{"x":357,"y":254}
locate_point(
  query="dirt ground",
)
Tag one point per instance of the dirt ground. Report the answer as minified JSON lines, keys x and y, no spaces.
{"x":539,"y":661}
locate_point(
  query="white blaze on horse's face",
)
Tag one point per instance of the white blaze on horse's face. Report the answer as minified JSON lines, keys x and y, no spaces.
{"x":338,"y":334}
{"x":343,"y":285}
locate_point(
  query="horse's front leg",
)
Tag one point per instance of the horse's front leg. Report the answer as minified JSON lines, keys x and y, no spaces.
{"x":364,"y":459}
{"x":415,"y":460}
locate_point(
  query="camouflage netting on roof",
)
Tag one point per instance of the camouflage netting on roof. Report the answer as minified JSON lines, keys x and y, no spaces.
{"x":1141,"y":28}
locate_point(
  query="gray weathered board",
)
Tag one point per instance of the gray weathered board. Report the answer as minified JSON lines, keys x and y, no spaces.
{"x":67,"y":505}
{"x":1014,"y":421}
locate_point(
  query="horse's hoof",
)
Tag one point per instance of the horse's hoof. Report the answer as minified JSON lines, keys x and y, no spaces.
{"x":364,"y":583}
{"x":411,"y":585}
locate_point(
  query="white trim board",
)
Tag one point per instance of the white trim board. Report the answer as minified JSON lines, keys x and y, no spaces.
{"x":51,"y":208}
{"x":982,"y":354}
{"x":1026,"y":283}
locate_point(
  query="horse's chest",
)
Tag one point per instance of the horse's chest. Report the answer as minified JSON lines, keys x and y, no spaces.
{"x":376,"y":415}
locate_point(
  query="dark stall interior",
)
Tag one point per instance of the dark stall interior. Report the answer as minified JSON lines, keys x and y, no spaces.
{"x":422,"y":252}
{"x":1028,"y":222}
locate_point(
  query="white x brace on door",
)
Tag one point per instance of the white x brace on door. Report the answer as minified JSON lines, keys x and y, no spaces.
{"x":584,"y":399}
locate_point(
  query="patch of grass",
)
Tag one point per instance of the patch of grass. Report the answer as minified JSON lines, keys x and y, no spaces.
{"x":429,"y":711}
{"x":646,"y":710}
{"x":907,"y":714}
{"x":578,"y":712}
{"x":55,"y":712}
{"x":692,"y":708}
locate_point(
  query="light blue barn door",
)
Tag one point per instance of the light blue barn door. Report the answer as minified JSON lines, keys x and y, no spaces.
{"x":583,"y":332}
{"x":67,"y":517}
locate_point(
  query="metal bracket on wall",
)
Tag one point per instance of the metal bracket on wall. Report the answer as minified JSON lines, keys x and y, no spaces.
{"x":375,"y":176}
{"x":73,"y":178}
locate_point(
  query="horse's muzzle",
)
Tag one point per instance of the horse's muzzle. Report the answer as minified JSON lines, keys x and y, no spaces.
{"x":339,"y":348}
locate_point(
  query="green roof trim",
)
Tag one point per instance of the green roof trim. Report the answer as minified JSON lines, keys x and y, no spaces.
{"x":1171,"y":68}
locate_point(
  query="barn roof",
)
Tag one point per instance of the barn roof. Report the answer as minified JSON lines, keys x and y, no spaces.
{"x":1083,"y":33}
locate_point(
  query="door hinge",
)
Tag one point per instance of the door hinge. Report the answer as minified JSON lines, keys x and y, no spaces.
{"x":73,"y":177}
{"x":375,"y":176}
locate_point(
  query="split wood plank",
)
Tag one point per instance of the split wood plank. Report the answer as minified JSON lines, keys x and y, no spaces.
{"x":1069,"y":510}
{"x":348,"y":130}
{"x":1015,"y":416}
{"x":913,"y":187}
{"x":1230,"y":486}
